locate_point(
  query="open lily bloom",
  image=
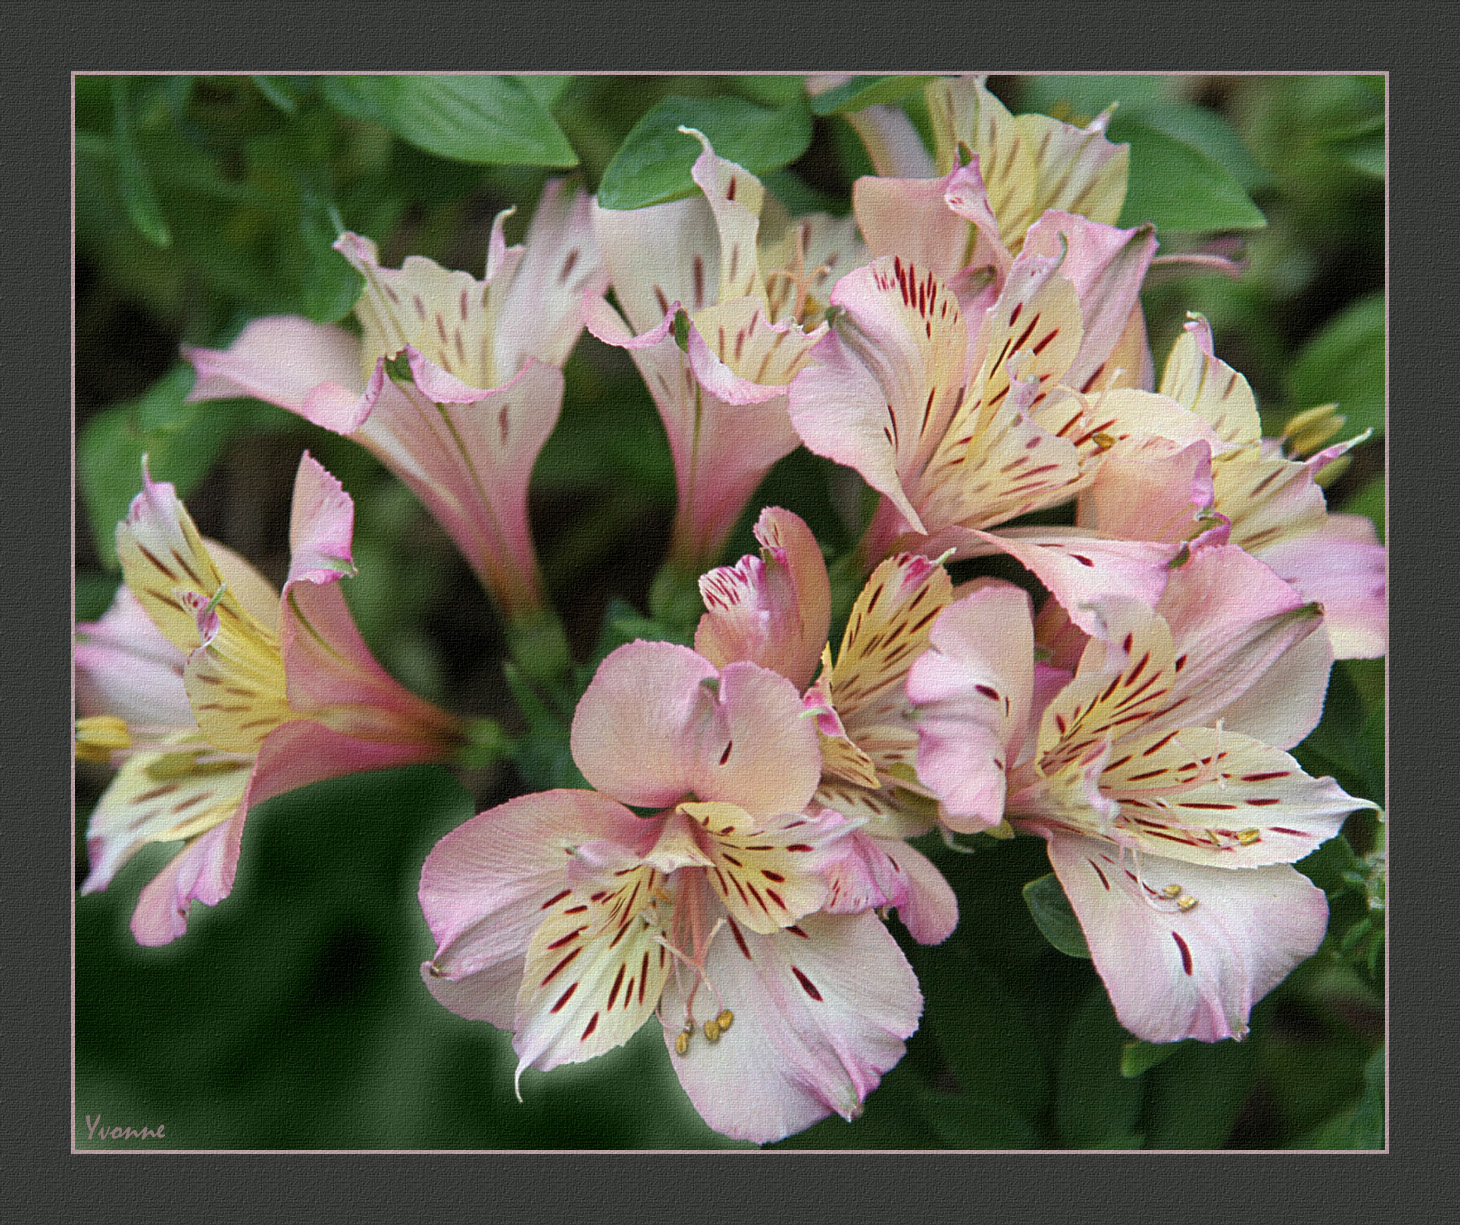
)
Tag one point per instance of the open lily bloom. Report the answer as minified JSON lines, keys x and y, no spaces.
{"x":948,"y":226}
{"x":1157,"y":777}
{"x":949,"y":429}
{"x":216,"y":693}
{"x":1246,"y":492}
{"x":755,"y":305}
{"x":566,"y":918}
{"x":485,"y":385}
{"x":774,"y":610}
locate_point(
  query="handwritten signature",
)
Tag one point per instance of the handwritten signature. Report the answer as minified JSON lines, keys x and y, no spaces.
{"x":97,"y":1130}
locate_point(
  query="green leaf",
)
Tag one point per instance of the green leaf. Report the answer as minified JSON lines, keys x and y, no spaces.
{"x":138,"y":194}
{"x":1362,"y":147}
{"x":276,"y":92}
{"x":1138,"y":1058}
{"x":1344,"y":363}
{"x":1369,"y":502}
{"x":329,"y":286}
{"x":546,"y":87}
{"x":1095,"y":1106}
{"x":1209,"y":132}
{"x":1194,"y":1100}
{"x":862,"y":92}
{"x":969,"y":1122}
{"x":478,"y":119}
{"x":1337,"y":745}
{"x":653,"y":164}
{"x":982,"y":1031}
{"x":1080,"y":97}
{"x":181,"y":442}
{"x":1176,"y":186}
{"x":1054,"y":916}
{"x":1361,"y":1126}
{"x":774,"y":89}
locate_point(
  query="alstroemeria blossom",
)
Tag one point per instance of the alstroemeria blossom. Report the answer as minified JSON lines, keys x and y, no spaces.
{"x":774,"y":610}
{"x":485,"y":385}
{"x":569,"y":920}
{"x":1240,"y":488}
{"x":1157,"y":776}
{"x":754,"y":304}
{"x":949,"y":429}
{"x":222,"y":693}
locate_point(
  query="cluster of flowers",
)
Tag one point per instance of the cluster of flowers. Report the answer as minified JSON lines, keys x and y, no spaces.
{"x":971,"y":342}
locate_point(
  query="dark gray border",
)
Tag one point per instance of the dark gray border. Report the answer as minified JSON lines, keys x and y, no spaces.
{"x":44,"y":1182}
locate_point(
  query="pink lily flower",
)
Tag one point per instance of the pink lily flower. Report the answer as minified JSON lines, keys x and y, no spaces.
{"x":569,"y":920}
{"x":774,"y":610}
{"x":216,"y":693}
{"x":485,"y":385}
{"x":961,"y":435}
{"x":1030,"y":163}
{"x":755,"y":305}
{"x":1157,"y":777}
{"x":1240,"y":488}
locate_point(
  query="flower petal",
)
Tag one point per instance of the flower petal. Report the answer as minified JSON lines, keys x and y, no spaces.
{"x":162,"y":555}
{"x":542,"y":306}
{"x":735,"y":197}
{"x":470,"y":463}
{"x":1342,"y":566}
{"x":1198,"y":381}
{"x":912,"y":218}
{"x":593,"y":973}
{"x":888,"y":629}
{"x":772,"y":610}
{"x":659,"y":255}
{"x":892,"y":142}
{"x":820,"y":1013}
{"x":125,"y":666}
{"x":972,"y":693}
{"x":764,"y":874}
{"x":1083,"y":572}
{"x":873,"y":873}
{"x":312,"y":369}
{"x":1150,"y":489}
{"x":1209,"y":796}
{"x":658,"y":723}
{"x":162,"y":797}
{"x":1030,"y":164}
{"x":485,"y":886}
{"x":1193,"y":974}
{"x":202,"y":871}
{"x":1106,"y":266}
{"x":889,"y":379}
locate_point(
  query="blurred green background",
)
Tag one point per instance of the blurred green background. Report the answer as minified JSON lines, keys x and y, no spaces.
{"x":293,"y":1016}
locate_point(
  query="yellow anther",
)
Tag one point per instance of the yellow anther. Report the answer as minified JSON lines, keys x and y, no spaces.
{"x":1186,"y":903}
{"x":1172,"y":891}
{"x":1102,"y":440}
{"x":98,"y":736}
{"x":1248,"y":836}
{"x":725,"y":1020}
{"x":681,"y":1043}
{"x":712,"y":1031}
